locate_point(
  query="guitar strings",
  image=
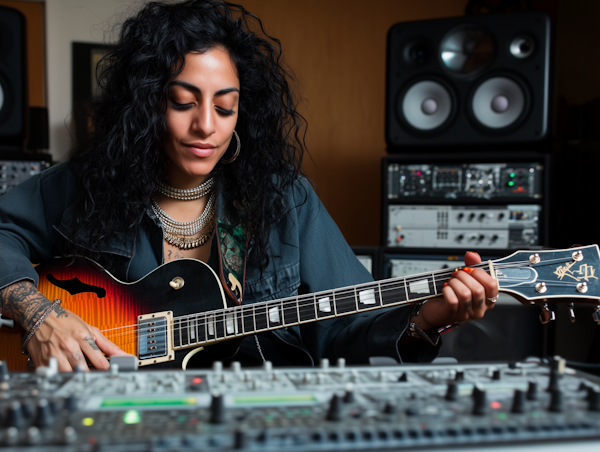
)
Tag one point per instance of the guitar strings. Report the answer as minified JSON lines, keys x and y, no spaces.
{"x":221,"y":316}
{"x":295,"y":300}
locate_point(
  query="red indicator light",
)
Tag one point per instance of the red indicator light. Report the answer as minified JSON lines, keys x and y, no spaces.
{"x":197,"y":380}
{"x":495,"y":405}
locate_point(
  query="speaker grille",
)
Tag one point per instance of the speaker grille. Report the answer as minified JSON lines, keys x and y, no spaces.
{"x":498,"y":102}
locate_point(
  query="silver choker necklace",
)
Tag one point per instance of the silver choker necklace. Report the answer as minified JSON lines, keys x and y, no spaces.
{"x":187,"y":194}
{"x":183,"y":234}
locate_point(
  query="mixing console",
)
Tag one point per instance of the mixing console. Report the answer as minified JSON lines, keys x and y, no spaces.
{"x":299,"y":409}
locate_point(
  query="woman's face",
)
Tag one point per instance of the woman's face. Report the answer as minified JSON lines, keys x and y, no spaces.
{"x":201,"y":114}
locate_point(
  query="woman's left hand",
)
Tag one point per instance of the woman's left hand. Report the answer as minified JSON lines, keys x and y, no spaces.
{"x":468,"y":294}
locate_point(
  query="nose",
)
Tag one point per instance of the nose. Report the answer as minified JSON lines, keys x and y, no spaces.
{"x":203,"y":123}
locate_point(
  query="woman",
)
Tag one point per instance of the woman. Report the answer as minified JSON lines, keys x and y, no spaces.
{"x":195,"y":151}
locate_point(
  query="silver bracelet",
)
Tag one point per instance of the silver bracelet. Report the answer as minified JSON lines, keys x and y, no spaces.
{"x":36,"y":325}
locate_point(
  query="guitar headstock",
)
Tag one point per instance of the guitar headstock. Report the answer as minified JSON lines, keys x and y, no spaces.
{"x":552,"y":274}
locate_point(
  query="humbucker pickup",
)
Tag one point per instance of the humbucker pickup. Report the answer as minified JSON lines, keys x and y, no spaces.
{"x":154,"y":338}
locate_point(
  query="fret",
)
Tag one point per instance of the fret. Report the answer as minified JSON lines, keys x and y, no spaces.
{"x":291,"y":314}
{"x":176,"y":334}
{"x":393,"y":291}
{"x":434,"y":284}
{"x":345,"y":301}
{"x":248,"y":325}
{"x":420,"y":286}
{"x":201,"y":322}
{"x":230,"y":322}
{"x":185,"y":339}
{"x":239,"y":319}
{"x":220,"y":325}
{"x":306,"y":308}
{"x":274,"y":314}
{"x":324,"y":305}
{"x":260,"y":316}
{"x":192,"y":330}
{"x":366,"y":296}
{"x":210,"y":326}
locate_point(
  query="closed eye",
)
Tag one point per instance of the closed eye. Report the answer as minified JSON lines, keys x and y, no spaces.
{"x":224,"y":112}
{"x":181,"y":107}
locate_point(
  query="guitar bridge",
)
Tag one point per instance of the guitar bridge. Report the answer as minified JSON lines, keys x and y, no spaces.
{"x":154,"y":338}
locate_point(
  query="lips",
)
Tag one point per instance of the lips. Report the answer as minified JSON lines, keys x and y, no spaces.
{"x":201,"y":149}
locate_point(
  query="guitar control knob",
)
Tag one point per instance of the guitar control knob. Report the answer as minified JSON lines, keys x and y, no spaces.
{"x":532,"y":390}
{"x":518,"y":404}
{"x":217,"y":409}
{"x":452,"y":392}
{"x":334,"y":413}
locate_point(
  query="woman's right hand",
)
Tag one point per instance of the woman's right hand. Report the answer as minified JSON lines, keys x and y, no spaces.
{"x":66,"y":337}
{"x":63,"y":335}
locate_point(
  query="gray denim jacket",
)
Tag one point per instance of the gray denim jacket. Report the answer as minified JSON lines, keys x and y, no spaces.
{"x":308,"y":254}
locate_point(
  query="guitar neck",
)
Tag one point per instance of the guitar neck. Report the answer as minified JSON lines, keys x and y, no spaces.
{"x":213,"y":326}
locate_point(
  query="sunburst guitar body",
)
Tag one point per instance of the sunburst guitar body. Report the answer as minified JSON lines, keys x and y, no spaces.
{"x":183,"y":287}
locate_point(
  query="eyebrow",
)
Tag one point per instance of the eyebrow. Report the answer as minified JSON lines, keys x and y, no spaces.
{"x":195,"y":89}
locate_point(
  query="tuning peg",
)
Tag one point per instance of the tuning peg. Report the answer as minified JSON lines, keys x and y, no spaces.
{"x":596,"y":315}
{"x":547,"y":314}
{"x":572,"y":312}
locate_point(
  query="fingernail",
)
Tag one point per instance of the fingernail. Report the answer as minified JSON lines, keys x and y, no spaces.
{"x":445,"y":284}
{"x":467,"y":269}
{"x":454,"y":273}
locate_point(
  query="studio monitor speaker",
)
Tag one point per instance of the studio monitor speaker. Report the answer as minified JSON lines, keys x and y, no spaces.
{"x":13,"y":80}
{"x":474,"y":80}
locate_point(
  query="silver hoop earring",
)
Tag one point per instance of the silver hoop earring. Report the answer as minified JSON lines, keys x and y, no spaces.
{"x":237,"y":151}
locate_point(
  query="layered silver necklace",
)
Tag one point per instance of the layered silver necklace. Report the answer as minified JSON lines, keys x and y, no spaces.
{"x":184,"y":235}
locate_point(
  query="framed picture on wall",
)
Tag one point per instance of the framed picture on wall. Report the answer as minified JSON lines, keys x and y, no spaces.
{"x":85,"y":68}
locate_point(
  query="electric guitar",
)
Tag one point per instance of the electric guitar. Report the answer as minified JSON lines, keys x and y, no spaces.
{"x":181,"y":305}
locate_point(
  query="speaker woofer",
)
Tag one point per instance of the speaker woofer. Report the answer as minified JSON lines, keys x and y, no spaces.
{"x":498,"y":102}
{"x":426,"y":105}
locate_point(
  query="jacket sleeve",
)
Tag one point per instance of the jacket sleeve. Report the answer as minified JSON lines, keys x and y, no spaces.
{"x":28,"y":214}
{"x":327,"y":262}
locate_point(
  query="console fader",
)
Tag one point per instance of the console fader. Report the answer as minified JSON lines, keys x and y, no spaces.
{"x":402,"y":407}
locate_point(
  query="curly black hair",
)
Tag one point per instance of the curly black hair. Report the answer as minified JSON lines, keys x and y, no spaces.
{"x":121,"y":160}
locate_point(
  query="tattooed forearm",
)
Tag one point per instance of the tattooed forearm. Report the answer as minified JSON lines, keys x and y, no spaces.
{"x":60,"y":312}
{"x":23,"y":303}
{"x":91,"y":342}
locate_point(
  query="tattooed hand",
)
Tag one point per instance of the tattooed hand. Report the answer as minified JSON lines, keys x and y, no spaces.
{"x":62,"y":335}
{"x":468,"y":294}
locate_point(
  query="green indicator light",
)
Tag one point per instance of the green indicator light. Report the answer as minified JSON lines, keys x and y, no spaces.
{"x":275,"y":399}
{"x":511,"y":183}
{"x":269,"y":417}
{"x":502,"y":416}
{"x":88,"y":421}
{"x":112,"y":403}
{"x":535,"y":414}
{"x":512,"y":174}
{"x":132,"y":417}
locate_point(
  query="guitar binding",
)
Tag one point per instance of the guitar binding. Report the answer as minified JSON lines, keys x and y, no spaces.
{"x":154,"y":338}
